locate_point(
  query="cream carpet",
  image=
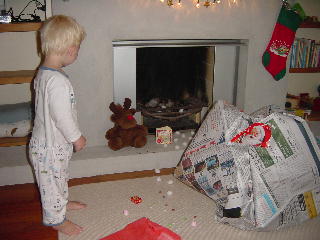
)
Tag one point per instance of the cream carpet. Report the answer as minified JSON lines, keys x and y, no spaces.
{"x":107,"y":201}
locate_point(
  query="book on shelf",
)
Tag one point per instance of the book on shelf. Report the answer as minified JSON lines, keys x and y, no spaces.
{"x":305,"y":53}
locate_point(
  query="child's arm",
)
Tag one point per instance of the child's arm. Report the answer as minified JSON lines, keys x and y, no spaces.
{"x":60,"y":110}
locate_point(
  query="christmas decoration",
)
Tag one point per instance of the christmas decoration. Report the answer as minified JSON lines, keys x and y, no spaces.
{"x":126,"y":132}
{"x":164,"y":135}
{"x":275,"y":56}
{"x":136,"y":199}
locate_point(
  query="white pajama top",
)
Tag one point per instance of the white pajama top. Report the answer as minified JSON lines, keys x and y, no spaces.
{"x":55,"y":112}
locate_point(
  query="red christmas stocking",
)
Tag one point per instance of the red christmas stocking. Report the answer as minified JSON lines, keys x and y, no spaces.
{"x":275,"y":57}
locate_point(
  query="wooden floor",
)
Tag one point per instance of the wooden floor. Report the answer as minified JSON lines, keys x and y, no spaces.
{"x":20,"y":214}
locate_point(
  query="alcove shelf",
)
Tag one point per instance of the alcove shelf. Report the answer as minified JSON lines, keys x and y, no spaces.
{"x":17,"y":77}
{"x":310,"y":25}
{"x":20,"y":27}
{"x":307,"y":70}
{"x":304,"y":70}
{"x":13,"y":141}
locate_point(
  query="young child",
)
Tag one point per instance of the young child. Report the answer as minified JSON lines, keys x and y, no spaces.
{"x":56,"y":132}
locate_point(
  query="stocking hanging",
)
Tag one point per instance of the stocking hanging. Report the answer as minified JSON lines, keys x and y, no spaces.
{"x":275,"y":56}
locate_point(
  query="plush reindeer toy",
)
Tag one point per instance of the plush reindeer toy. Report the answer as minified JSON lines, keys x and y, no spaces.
{"x":126,"y":132}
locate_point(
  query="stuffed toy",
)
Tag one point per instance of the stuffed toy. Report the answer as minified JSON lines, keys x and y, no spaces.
{"x":126,"y":132}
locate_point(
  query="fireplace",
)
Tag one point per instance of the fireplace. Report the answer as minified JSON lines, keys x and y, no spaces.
{"x":174,"y":82}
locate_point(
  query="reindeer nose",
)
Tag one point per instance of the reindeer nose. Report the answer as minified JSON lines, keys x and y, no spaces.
{"x":130,"y":117}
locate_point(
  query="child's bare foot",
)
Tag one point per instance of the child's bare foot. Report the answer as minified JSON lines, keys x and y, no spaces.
{"x":69,"y":228}
{"x":74,"y":205}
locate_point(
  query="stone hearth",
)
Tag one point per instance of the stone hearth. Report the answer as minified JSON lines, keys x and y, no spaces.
{"x":97,"y":160}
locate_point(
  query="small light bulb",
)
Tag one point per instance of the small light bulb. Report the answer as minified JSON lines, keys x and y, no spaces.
{"x":207,"y":3}
{"x":198,"y":4}
{"x":162,"y":1}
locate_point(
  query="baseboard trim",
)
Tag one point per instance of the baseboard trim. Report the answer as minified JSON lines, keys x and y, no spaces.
{"x":119,"y":176}
{"x":97,"y":179}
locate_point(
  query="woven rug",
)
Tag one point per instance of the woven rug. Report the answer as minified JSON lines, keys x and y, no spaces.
{"x":169,"y":203}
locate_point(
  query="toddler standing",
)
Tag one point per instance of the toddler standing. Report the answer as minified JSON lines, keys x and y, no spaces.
{"x":56,"y":133}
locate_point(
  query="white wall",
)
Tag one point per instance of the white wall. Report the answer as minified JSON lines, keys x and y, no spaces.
{"x":107,"y":20}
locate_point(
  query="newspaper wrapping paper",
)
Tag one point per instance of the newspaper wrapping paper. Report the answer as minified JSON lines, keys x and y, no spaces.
{"x":275,"y":186}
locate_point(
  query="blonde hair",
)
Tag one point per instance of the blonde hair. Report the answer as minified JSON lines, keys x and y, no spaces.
{"x":60,"y":32}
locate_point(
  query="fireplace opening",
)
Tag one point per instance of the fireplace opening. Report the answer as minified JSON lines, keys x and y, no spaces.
{"x":173,"y":84}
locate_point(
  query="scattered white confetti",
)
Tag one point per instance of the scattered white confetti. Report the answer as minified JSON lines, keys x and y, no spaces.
{"x":169,"y":193}
{"x":183,"y":135}
{"x":176,"y":140}
{"x":184,"y":144}
{"x":157,"y":170}
{"x":190,"y":138}
{"x":163,"y":106}
{"x":177,"y":132}
{"x":181,"y":110}
{"x":177,"y":147}
{"x":159,"y":179}
{"x":192,"y":132}
{"x":170,"y":182}
{"x":194,"y":223}
{"x":125,"y":212}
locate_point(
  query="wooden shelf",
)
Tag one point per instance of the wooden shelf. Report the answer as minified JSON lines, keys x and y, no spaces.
{"x":304,"y":70}
{"x":20,"y":27}
{"x":310,"y":25}
{"x":16,"y":77}
{"x":13,"y":141}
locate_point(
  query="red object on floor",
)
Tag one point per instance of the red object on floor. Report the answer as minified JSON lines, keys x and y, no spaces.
{"x":136,"y":199}
{"x":143,"y":229}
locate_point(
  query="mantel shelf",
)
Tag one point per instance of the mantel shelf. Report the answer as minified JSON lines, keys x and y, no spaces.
{"x":20,"y":27}
{"x":304,"y":70}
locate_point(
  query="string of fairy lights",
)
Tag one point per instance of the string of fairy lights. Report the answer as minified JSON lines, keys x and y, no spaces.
{"x":197,"y":3}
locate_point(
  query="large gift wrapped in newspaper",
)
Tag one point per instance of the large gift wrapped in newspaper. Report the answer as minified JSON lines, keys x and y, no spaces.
{"x":261,"y":169}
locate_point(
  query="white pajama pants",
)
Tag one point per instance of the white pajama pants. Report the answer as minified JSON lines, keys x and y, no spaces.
{"x":51,"y":171}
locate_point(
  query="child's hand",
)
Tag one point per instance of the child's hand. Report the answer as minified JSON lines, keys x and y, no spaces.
{"x":79,"y":144}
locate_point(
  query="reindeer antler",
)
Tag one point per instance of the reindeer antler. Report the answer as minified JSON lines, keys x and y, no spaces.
{"x":115,"y":108}
{"x":127,"y":103}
